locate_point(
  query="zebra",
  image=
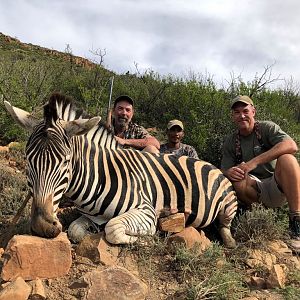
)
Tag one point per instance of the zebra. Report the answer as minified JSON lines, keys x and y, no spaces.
{"x":124,"y":189}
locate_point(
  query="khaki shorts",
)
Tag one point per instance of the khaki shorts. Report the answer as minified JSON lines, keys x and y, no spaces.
{"x":269,"y":193}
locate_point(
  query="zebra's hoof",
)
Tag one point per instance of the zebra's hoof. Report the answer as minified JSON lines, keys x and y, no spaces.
{"x":228,"y":240}
{"x":78,"y":229}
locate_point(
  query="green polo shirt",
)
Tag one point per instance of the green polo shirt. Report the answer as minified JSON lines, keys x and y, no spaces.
{"x":271,"y":134}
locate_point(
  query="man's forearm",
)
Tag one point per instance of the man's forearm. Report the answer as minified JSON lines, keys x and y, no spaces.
{"x":287,"y":146}
{"x":142,"y":143}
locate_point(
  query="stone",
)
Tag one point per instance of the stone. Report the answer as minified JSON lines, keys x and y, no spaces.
{"x":277,"y":277}
{"x":190,"y":238}
{"x":259,"y":258}
{"x":279,"y":247}
{"x":257,"y":282}
{"x":96,"y":248}
{"x":38,"y":290}
{"x":31,"y":257}
{"x":18,"y":289}
{"x":114,"y":283}
{"x":172,"y":223}
{"x":128,"y":261}
{"x":4,"y":149}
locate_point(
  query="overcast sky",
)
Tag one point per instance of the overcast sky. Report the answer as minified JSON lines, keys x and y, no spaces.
{"x":218,"y":37}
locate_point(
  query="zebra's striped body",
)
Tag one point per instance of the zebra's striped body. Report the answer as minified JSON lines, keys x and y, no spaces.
{"x":127,"y":188}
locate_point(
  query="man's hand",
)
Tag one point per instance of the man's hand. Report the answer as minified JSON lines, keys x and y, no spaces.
{"x":248,"y":166}
{"x":235,"y":174}
{"x":240,"y":171}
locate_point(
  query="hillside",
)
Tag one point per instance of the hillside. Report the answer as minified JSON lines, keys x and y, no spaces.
{"x":29,"y":74}
{"x":13,"y":47}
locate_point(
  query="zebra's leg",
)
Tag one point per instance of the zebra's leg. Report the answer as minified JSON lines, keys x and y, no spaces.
{"x":126,"y":228}
{"x":81,"y":227}
{"x":225,"y":217}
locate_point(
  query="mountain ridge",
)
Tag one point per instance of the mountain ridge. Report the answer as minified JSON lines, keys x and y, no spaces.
{"x":8,"y":43}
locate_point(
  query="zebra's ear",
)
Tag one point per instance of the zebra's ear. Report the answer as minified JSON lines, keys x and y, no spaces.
{"x":22,"y":117}
{"x":79,"y":126}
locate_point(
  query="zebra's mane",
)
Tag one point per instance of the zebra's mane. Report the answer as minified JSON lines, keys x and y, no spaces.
{"x":63,"y":107}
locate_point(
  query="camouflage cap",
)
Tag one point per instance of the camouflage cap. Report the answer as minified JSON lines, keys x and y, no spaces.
{"x":175,"y":123}
{"x":243,"y":99}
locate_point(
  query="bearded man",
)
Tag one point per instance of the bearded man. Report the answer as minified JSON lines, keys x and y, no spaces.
{"x":127,"y":133}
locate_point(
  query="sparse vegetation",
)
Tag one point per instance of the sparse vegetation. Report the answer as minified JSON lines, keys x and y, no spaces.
{"x":258,"y":225}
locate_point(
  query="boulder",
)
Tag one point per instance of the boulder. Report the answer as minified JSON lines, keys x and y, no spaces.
{"x":190,"y":237}
{"x":18,"y":289}
{"x":31,"y":257}
{"x":114,"y":283}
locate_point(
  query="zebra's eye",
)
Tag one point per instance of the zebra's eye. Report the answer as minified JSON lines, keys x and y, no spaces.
{"x":67,"y":160}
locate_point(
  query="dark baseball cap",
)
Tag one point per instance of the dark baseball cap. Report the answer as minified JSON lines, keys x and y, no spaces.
{"x":123,"y":98}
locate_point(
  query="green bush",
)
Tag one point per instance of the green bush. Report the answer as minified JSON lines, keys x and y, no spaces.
{"x":27,"y":80}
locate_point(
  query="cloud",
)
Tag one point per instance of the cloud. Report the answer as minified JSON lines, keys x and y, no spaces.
{"x":167,"y":36}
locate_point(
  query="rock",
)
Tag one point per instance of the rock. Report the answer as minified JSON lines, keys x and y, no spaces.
{"x":294,"y":261}
{"x":38,"y":290}
{"x":285,"y":253}
{"x":114,"y":283}
{"x":279,"y":247}
{"x":257,"y":282}
{"x":259,"y":258}
{"x":4,"y":149}
{"x":31,"y":257}
{"x":277,"y":277}
{"x":96,"y":248}
{"x":190,"y":237}
{"x":172,"y":223}
{"x":18,"y":289}
{"x":14,"y":145}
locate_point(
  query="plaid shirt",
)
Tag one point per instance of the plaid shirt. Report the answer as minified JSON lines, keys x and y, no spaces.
{"x":134,"y":131}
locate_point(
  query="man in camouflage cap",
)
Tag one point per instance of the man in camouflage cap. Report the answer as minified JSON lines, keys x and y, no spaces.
{"x":175,"y":133}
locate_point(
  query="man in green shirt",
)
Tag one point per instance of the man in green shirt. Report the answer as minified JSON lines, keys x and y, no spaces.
{"x":259,"y":160}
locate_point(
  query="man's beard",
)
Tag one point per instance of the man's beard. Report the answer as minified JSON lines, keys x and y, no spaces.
{"x":122,"y":122}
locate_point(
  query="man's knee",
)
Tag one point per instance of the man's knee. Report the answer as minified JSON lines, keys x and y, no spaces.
{"x":240,"y":188}
{"x":246,"y":190}
{"x":286,"y":164}
{"x":286,"y":159}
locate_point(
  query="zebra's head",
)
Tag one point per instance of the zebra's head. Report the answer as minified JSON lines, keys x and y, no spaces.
{"x":49,"y":154}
